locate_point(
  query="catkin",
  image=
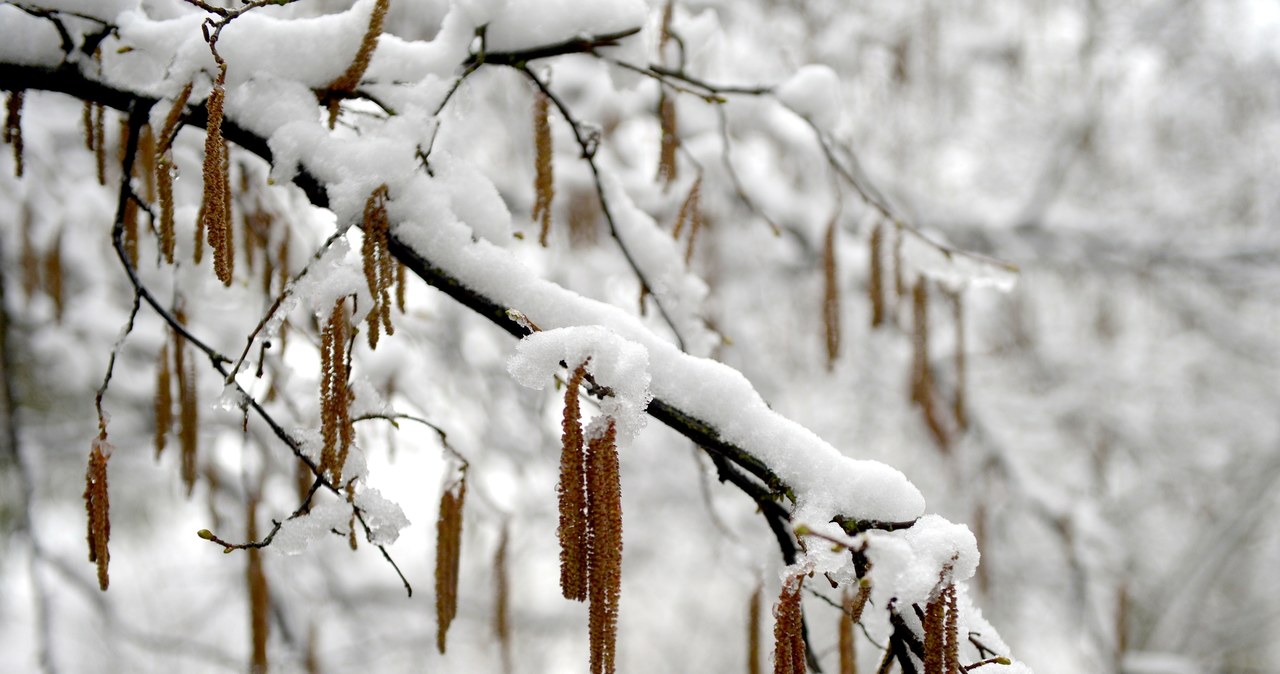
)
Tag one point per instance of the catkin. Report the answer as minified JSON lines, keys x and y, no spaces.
{"x":164,"y":172}
{"x":753,"y":630}
{"x":350,"y":78}
{"x":188,"y":409}
{"x":216,"y":202}
{"x":502,"y":599}
{"x":97,"y":506}
{"x":13,"y":128}
{"x":604,"y":547}
{"x":667,"y":165}
{"x":335,"y":398}
{"x":131,"y":230}
{"x":259,"y":595}
{"x":847,"y":648}
{"x":99,"y":143}
{"x":164,"y":400}
{"x":875,"y":284}
{"x":788,"y":629}
{"x":952,"y":654}
{"x":379,"y":270}
{"x":53,"y":277}
{"x":690,"y":214}
{"x":30,"y":258}
{"x":543,"y":180}
{"x":572,"y":492}
{"x":831,"y":295}
{"x":448,"y":553}
{"x":959,"y":403}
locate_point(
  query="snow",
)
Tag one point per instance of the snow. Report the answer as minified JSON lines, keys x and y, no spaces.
{"x":531,"y":23}
{"x":620,"y":365}
{"x":813,"y":92}
{"x":473,"y":198}
{"x":384,"y":518}
{"x":331,"y":278}
{"x":906,"y":565}
{"x":297,"y":534}
{"x":27,"y":40}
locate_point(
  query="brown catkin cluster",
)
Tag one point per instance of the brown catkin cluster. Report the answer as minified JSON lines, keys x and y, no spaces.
{"x":590,"y":501}
{"x":215,"y":209}
{"x":831,"y":295}
{"x":788,"y":629}
{"x":875,"y":284}
{"x":350,"y":79}
{"x":379,"y":266}
{"x":941,"y":637}
{"x":97,"y":505}
{"x":448,"y":553}
{"x":543,"y":178}
{"x":690,"y":214}
{"x":164,"y":170}
{"x":754,"y":610}
{"x":259,"y":595}
{"x":572,"y":492}
{"x":13,"y":128}
{"x":667,"y":165}
{"x":335,"y":396}
{"x":604,"y":547}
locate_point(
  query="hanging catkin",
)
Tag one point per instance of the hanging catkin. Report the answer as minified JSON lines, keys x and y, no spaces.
{"x":831,"y":295}
{"x":448,"y":553}
{"x":543,"y":178}
{"x":214,"y":207}
{"x":97,"y":506}
{"x":379,"y":270}
{"x":335,"y":398}
{"x":572,"y":492}
{"x":667,"y":166}
{"x":604,"y":546}
{"x":502,"y":599}
{"x":13,"y":128}
{"x":259,"y":595}
{"x":754,"y":609}
{"x":164,"y":399}
{"x":350,"y":78}
{"x":875,"y":284}
{"x":788,"y":629}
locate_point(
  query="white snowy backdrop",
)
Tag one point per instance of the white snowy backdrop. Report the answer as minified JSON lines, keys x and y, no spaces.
{"x":1119,"y":455}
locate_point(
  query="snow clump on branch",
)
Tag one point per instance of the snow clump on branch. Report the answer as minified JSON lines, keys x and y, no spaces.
{"x":613,"y":363}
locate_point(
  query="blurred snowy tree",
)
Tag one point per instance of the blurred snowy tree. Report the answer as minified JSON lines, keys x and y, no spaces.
{"x":815,"y":195}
